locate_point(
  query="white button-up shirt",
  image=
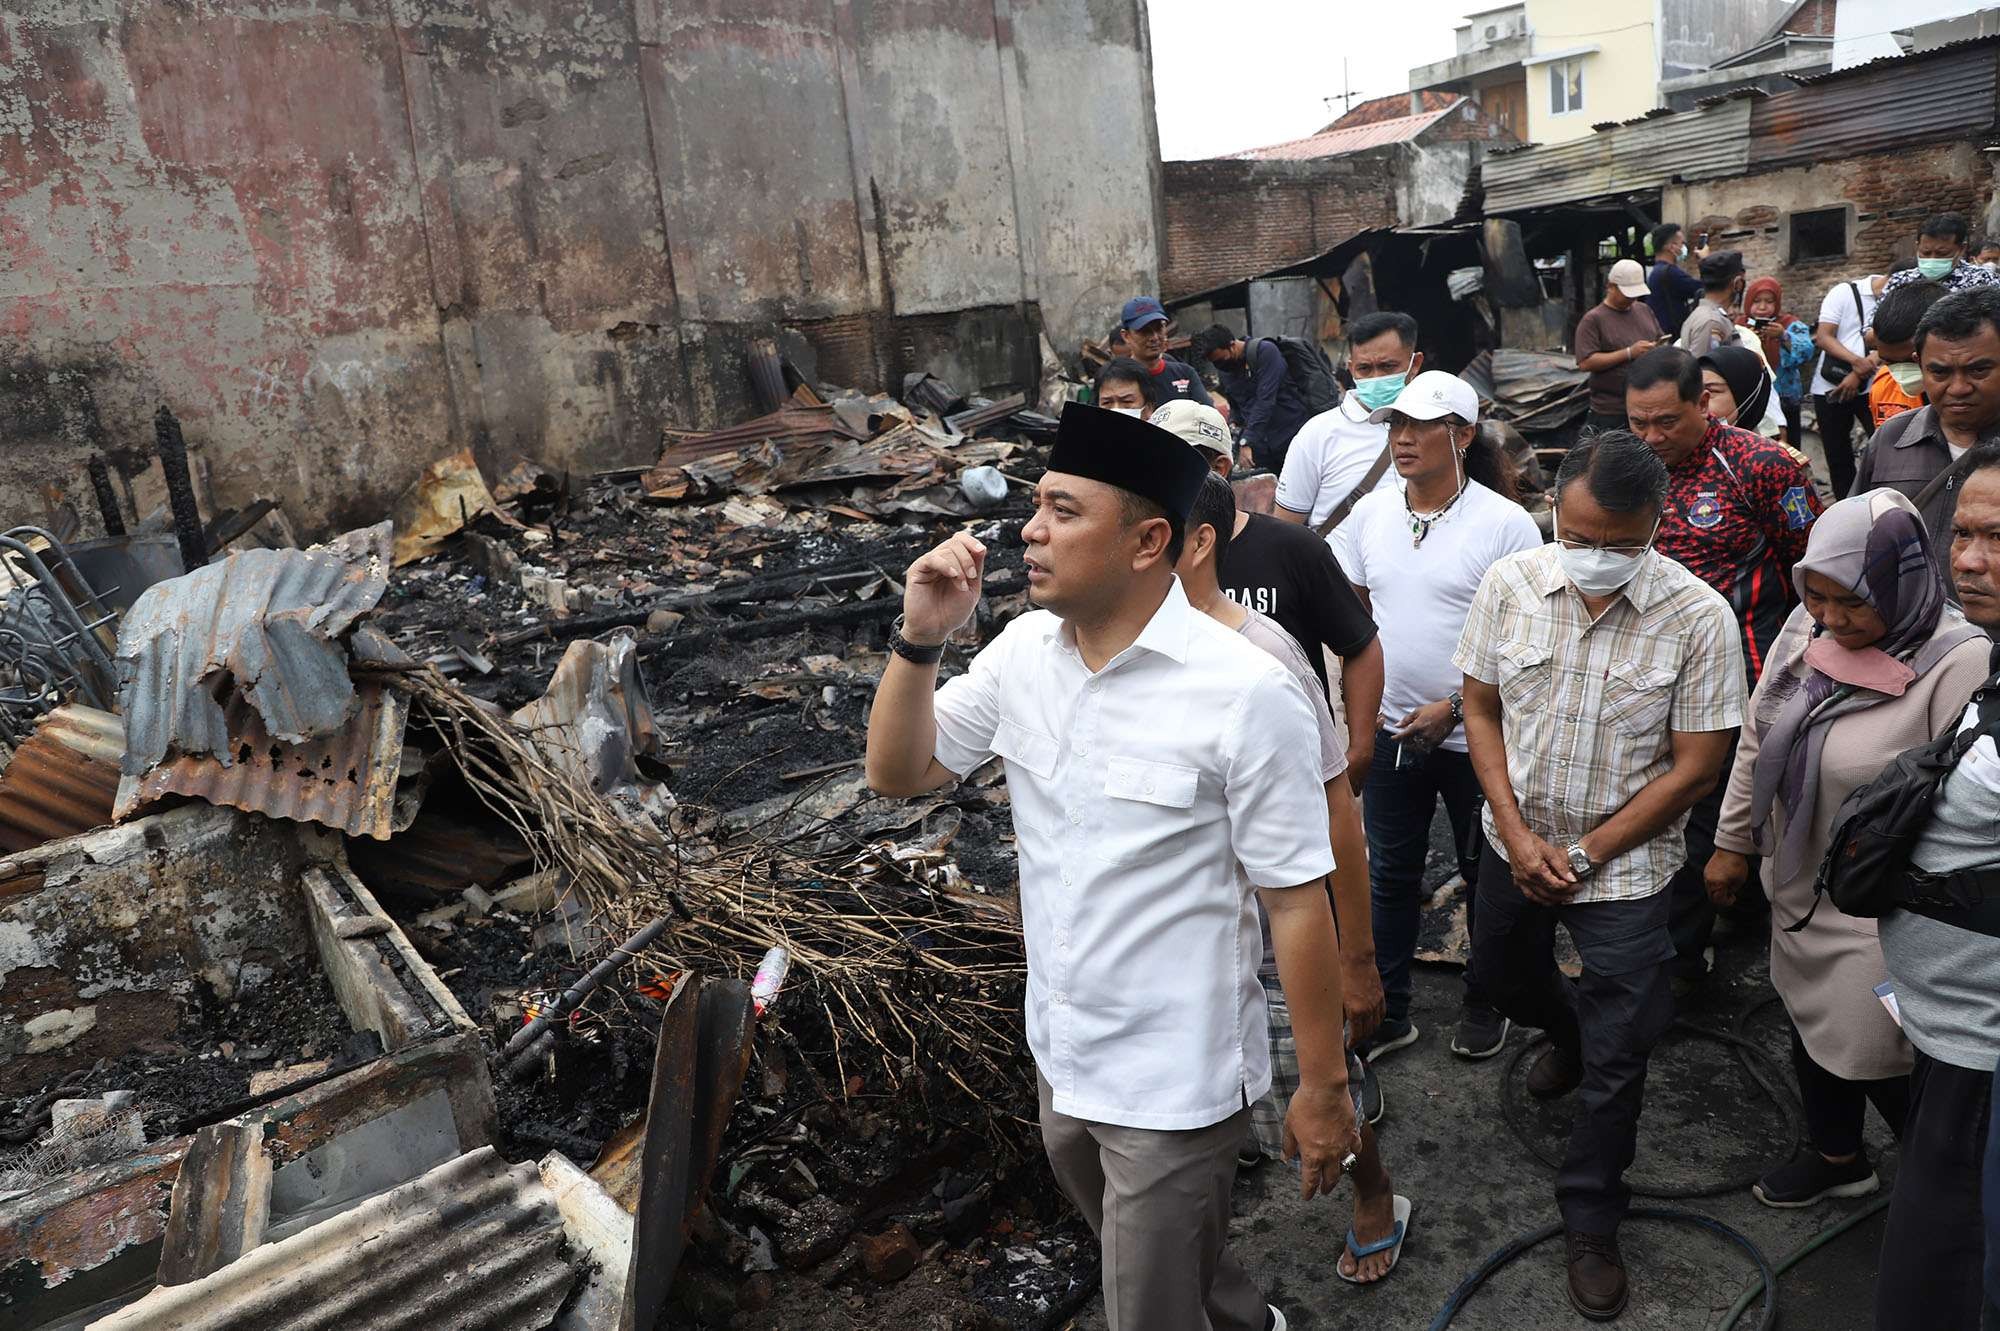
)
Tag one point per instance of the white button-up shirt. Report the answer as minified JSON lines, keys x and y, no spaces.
{"x":1149,"y":799}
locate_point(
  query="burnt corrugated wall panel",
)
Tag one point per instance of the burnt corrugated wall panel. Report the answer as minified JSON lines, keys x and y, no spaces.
{"x":1884,"y":106}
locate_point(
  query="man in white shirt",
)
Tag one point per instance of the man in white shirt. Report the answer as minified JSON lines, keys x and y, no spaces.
{"x":1155,"y":776}
{"x":1415,"y":556}
{"x":1340,"y":455}
{"x":1840,"y":399}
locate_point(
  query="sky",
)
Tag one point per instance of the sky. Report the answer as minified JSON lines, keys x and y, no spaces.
{"x":1232,"y":76}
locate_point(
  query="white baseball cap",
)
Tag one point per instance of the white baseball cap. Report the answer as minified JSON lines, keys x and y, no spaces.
{"x":1431,"y":395}
{"x":1199,"y":425}
{"x":1629,"y":278}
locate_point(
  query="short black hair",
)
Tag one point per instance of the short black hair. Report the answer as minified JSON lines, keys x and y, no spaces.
{"x":1960,"y":315}
{"x":1720,"y":269}
{"x":1134,"y":509}
{"x":1123,"y":369}
{"x":1663,"y":235}
{"x":1215,"y":505}
{"x":1371,"y":326}
{"x":1666,"y":365}
{"x":1210,"y":340}
{"x":1946,"y":226}
{"x":1619,"y":469}
{"x":1978,"y":243}
{"x":1896,"y":318}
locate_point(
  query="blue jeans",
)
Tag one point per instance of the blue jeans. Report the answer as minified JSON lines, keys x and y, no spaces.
{"x":1397,"y":805}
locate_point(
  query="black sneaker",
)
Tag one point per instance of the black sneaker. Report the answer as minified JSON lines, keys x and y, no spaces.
{"x":1390,"y":1036}
{"x":1809,"y":1177}
{"x":1481,"y":1032}
{"x":1370,"y":1092}
{"x":1249,"y":1156}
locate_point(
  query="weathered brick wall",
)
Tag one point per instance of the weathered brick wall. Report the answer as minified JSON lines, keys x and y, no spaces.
{"x":1889,"y":193}
{"x":1229,"y":220}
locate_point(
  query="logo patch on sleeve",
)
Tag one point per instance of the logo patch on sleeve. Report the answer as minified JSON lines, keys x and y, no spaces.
{"x":1798,"y":513}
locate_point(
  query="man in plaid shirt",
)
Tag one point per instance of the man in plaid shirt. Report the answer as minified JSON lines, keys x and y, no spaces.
{"x":1603,"y":686}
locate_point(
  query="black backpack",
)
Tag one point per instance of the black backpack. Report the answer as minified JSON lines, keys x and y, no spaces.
{"x":1867,"y":868}
{"x":1310,"y":372}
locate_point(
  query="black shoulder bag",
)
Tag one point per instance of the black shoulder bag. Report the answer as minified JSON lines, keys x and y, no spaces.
{"x":1867,"y":869}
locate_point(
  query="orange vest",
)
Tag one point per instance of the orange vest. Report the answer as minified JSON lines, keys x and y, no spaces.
{"x":1886,"y":398}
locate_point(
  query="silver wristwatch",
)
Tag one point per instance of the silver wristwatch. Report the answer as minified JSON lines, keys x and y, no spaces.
{"x":1579,"y":861}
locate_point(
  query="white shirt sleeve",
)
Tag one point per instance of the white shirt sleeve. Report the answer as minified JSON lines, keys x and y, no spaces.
{"x":1517,"y":533}
{"x":1834,"y":304}
{"x":1272,"y":787}
{"x":1299,"y":482}
{"x":1345,"y":541}
{"x":967,"y":709}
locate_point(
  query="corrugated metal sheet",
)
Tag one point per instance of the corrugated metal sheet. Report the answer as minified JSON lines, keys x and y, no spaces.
{"x":1350,"y":138}
{"x":1904,"y":61}
{"x":474,"y":1245}
{"x":345,"y":780}
{"x":1879,"y":106}
{"x":63,"y":780}
{"x":1641,"y":155}
{"x":262,"y":624}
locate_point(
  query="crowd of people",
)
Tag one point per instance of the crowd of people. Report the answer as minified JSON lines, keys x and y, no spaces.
{"x":1226,"y":734}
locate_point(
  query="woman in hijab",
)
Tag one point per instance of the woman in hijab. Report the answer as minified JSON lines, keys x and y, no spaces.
{"x":1873,"y":661}
{"x":1787,"y":343}
{"x":1739,"y":387}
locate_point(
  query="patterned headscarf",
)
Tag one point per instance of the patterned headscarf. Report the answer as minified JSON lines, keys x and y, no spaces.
{"x":1876,"y":546}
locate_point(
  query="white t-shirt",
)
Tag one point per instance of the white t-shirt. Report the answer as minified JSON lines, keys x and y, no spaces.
{"x":1329,"y":456}
{"x":1422,"y":595}
{"x":1838,"y":309}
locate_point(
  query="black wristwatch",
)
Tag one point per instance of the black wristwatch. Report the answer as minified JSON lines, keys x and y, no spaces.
{"x":1457,"y":708}
{"x":915,"y":652}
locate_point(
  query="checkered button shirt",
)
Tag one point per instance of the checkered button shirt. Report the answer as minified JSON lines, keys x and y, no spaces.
{"x":1587,"y":710}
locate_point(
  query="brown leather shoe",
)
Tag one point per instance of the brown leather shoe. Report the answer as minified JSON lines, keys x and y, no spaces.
{"x":1556,"y":1073}
{"x":1597,"y":1285}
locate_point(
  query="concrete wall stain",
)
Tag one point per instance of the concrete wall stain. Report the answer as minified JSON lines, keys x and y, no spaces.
{"x":344,"y":237}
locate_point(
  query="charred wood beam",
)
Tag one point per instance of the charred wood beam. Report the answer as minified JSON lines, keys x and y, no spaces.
{"x":107,"y":498}
{"x":180,"y":489}
{"x":221,"y":1202}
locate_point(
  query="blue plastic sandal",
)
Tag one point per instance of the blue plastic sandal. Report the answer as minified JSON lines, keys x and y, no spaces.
{"x":1393,"y":1245}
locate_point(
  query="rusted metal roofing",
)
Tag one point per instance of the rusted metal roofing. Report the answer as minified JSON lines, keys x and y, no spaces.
{"x":1646,"y":154}
{"x":1943,"y":49}
{"x":1879,"y":106}
{"x":262,"y":625}
{"x":1350,"y":138}
{"x":345,"y":780}
{"x":475,"y":1243}
{"x":63,"y":779}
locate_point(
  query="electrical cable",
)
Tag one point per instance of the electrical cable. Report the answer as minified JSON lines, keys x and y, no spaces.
{"x":1748,"y":1053}
{"x":1799,"y":1254}
{"x":1768,"y":1276}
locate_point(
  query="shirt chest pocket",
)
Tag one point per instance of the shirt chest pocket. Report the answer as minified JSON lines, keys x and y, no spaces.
{"x":1146,"y":811}
{"x":1637,"y":698}
{"x":1526,"y":678}
{"x":1029,"y":751}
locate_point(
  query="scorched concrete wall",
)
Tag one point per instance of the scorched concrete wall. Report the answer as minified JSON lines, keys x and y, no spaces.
{"x":344,"y":237}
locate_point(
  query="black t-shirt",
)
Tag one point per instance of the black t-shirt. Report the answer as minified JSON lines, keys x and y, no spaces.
{"x":1283,"y":570}
{"x":1178,"y":380}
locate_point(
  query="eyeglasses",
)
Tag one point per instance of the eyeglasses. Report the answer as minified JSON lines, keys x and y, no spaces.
{"x":1625,"y":551}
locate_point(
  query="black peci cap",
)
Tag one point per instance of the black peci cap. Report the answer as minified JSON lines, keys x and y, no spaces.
{"x":1127,"y":452}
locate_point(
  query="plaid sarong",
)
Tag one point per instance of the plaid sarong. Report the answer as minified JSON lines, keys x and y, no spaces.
{"x":1267,"y":1115}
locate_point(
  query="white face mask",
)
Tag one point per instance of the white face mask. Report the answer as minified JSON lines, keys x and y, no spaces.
{"x":1599,"y":572}
{"x":1129,"y":411}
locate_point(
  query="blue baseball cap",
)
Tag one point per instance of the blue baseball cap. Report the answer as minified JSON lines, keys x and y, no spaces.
{"x":1140,"y":311}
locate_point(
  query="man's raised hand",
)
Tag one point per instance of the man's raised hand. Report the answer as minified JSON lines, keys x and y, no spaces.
{"x":941,"y":589}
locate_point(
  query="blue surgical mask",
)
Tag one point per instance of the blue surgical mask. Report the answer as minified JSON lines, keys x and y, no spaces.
{"x":1380,"y":391}
{"x":1935,"y":269}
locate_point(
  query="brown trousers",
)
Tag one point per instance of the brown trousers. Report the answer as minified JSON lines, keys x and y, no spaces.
{"x":1159,"y":1205}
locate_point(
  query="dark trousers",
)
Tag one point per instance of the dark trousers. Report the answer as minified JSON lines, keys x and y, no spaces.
{"x":1793,"y":410}
{"x":1612,"y":1017}
{"x":1992,"y":1207}
{"x":1837,"y":423}
{"x":1835,"y":1106}
{"x":1934,"y":1247}
{"x":1691,"y":917}
{"x":1397,"y":805}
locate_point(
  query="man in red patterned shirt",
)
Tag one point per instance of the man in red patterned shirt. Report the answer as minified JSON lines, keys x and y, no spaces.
{"x":1738,"y":509}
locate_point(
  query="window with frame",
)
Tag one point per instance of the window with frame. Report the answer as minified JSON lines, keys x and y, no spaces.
{"x":1819,"y":234}
{"x":1565,"y":86}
